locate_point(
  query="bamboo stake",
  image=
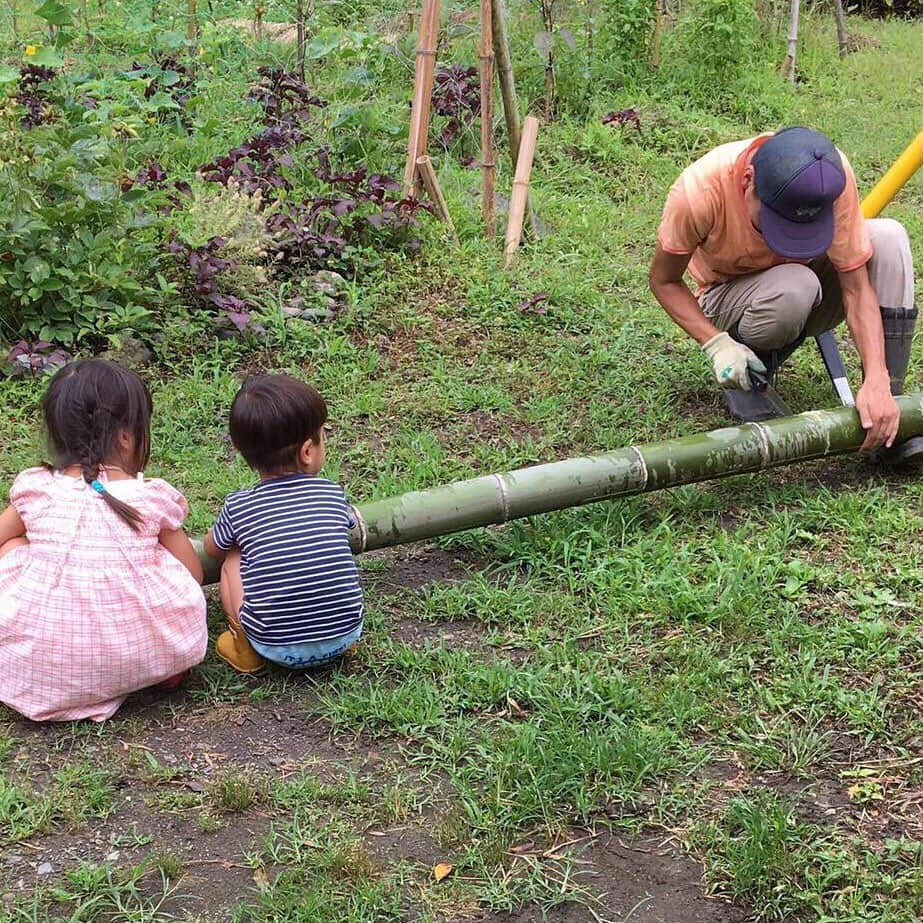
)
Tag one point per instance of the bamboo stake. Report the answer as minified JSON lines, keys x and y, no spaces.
{"x":301,"y":36}
{"x":422,"y":93}
{"x":504,"y":64}
{"x":506,"y":78}
{"x":434,"y":191}
{"x":429,"y":72}
{"x":520,"y":195}
{"x":842,"y":36}
{"x":488,"y":164}
{"x":788,"y":65}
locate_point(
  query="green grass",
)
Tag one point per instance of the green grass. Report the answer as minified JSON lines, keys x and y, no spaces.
{"x":693,"y":661}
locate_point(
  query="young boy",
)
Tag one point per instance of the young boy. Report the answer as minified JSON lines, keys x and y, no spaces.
{"x":289,"y":584}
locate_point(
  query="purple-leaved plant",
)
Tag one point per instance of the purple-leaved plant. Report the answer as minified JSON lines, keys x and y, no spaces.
{"x":456,"y":97}
{"x":33,"y":96}
{"x":36,"y":358}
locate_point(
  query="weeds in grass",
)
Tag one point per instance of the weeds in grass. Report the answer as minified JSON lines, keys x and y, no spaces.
{"x":235,"y":793}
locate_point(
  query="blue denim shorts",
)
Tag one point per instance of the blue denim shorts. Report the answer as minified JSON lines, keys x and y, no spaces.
{"x":309,"y":654}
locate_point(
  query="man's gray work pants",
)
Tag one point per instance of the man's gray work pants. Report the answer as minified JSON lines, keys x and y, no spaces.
{"x":775,"y":307}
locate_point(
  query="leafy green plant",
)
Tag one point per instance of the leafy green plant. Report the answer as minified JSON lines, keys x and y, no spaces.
{"x":717,"y":36}
{"x":75,"y":257}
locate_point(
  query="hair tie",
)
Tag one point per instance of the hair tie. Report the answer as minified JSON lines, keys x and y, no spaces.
{"x":97,"y":485}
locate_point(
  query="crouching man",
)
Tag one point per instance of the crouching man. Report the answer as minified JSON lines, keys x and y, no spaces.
{"x":771,"y":231}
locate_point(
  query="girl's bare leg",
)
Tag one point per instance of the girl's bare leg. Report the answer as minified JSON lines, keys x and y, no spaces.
{"x":7,"y":547}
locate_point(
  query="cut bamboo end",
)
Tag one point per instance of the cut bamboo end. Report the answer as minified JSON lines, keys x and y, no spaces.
{"x":430,"y":183}
{"x":520,"y":194}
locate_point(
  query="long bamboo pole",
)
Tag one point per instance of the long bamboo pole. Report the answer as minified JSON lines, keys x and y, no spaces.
{"x":434,"y":191}
{"x":488,"y":164}
{"x":507,"y":81}
{"x":520,"y":195}
{"x":893,"y":181}
{"x":498,"y":498}
{"x":422,"y":92}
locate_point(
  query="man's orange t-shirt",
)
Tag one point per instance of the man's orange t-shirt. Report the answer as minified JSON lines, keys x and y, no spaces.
{"x":706,"y":215}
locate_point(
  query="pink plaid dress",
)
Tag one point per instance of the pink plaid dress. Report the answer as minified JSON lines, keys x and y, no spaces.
{"x":91,"y":610}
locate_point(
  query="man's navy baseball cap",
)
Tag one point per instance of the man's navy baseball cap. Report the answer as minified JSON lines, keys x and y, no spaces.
{"x":799,"y":175}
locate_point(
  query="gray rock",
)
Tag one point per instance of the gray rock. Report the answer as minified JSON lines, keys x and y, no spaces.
{"x":132,"y":354}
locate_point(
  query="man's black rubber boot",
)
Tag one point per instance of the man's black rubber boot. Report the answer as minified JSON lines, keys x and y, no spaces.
{"x":899,"y":324}
{"x":757,"y":405}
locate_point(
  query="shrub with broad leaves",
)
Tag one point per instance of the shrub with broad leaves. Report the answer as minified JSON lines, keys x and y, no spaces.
{"x":75,"y":258}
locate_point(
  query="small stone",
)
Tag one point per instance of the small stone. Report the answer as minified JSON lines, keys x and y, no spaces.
{"x":113,"y":856}
{"x":13,"y":858}
{"x":45,"y":868}
{"x":317,"y":314}
{"x":133,"y":353}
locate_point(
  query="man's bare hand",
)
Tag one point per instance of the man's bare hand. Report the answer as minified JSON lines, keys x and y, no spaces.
{"x":878,"y":413}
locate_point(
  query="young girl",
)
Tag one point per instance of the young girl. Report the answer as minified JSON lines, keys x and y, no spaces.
{"x":99,"y":585}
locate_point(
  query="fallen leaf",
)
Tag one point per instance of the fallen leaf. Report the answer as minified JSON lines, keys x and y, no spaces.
{"x":442,"y":870}
{"x":261,"y":879}
{"x":522,"y":847}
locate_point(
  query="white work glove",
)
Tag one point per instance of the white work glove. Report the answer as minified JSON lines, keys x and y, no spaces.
{"x":731,"y":360}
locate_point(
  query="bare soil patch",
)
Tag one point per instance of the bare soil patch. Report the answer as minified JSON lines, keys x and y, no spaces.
{"x":413,"y":567}
{"x":647,"y":881}
{"x":180,"y":755}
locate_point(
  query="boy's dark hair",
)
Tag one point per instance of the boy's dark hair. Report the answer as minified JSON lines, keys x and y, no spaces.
{"x":87,"y":405}
{"x":272,"y":416}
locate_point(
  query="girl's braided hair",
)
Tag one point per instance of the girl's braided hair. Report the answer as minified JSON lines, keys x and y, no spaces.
{"x":89,"y":404}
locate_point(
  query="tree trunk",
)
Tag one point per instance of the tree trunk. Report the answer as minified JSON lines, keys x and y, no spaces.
{"x":192,"y":33}
{"x":788,"y":65}
{"x":842,"y":36}
{"x":655,"y":38}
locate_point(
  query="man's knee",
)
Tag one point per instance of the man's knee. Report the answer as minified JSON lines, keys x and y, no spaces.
{"x":891,"y":266}
{"x":889,"y":238}
{"x":780,"y":310}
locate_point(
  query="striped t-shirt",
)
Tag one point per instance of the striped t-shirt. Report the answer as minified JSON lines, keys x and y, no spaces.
{"x":300,"y":579}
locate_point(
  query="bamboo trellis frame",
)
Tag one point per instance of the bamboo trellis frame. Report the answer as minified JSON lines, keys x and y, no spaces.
{"x":488,"y":164}
{"x":431,"y":184}
{"x":520,"y":195}
{"x":422,"y":94}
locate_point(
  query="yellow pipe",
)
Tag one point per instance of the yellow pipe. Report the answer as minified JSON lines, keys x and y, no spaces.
{"x":890,"y":184}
